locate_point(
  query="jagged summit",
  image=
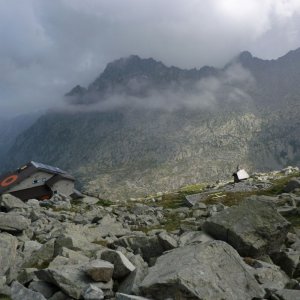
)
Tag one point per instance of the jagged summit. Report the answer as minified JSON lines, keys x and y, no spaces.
{"x":135,"y":76}
{"x":132,"y":63}
{"x":121,"y":69}
{"x":245,"y":56}
{"x":77,"y":90}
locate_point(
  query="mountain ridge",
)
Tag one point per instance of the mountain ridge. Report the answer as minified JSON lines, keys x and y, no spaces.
{"x":166,"y":133}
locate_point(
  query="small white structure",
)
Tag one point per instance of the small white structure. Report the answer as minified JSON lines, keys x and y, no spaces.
{"x":240,"y":175}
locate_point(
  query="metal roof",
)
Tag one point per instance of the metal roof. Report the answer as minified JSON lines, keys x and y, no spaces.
{"x":48,"y":168}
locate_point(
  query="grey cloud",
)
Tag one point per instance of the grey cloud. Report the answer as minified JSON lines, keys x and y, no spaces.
{"x":208,"y":93}
{"x":49,"y":46}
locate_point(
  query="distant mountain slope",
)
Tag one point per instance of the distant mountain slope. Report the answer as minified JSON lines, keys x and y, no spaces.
{"x":10,"y":128}
{"x":157,"y":128}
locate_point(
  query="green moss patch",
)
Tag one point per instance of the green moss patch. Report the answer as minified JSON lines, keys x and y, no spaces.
{"x":193,"y":189}
{"x":104,"y":202}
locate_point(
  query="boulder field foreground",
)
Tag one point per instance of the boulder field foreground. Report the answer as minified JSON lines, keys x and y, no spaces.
{"x":231,"y":242}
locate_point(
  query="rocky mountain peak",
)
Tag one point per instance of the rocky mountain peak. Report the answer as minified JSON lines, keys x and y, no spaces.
{"x":77,"y":90}
{"x":131,"y":66}
{"x":245,"y":58}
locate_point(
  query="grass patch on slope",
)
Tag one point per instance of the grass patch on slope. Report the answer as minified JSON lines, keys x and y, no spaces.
{"x":104,"y":202}
{"x":192,"y":189}
{"x":234,"y":198}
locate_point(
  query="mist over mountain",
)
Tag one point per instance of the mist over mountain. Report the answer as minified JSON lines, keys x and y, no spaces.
{"x":10,"y":128}
{"x":142,"y":127}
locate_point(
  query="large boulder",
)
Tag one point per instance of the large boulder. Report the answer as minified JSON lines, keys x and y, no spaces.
{"x":8,"y":252}
{"x":122,"y":265}
{"x":204,"y":271}
{"x":270,"y":276}
{"x":253,"y":228}
{"x":71,"y":279}
{"x":20,"y":292}
{"x":44,"y":288}
{"x":100,"y":270}
{"x":148,"y":247}
{"x":288,"y":260}
{"x":130,"y":285}
{"x":93,"y":293}
{"x":287,"y":294}
{"x":74,"y":240}
{"x":13,"y":222}
{"x":293,"y":184}
{"x":10,"y":202}
{"x":41,"y":257}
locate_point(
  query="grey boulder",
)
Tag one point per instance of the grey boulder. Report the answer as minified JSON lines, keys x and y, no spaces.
{"x":71,"y":279}
{"x":10,"y":202}
{"x":201,"y":271}
{"x":293,"y":184}
{"x":253,"y":228}
{"x":167,"y":241}
{"x":270,"y":276}
{"x":13,"y":222}
{"x":287,"y":294}
{"x":148,"y":247}
{"x":8,"y":252}
{"x":44,"y":288}
{"x":92,"y":292}
{"x":130,"y":285}
{"x":100,"y":270}
{"x":122,"y":265}
{"x":19,"y":292}
{"x":120,"y":296}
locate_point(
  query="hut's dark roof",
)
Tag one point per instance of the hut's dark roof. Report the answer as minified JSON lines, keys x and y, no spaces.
{"x":11,"y":179}
{"x":47,"y":168}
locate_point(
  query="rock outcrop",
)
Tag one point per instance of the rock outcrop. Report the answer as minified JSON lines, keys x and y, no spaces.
{"x":203,"y":271}
{"x":254,"y":228}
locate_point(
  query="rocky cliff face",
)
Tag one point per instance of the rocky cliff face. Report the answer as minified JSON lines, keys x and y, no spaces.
{"x":142,"y":126}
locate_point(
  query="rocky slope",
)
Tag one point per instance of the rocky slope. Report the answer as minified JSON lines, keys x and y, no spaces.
{"x":142,"y":126}
{"x":234,"y":242}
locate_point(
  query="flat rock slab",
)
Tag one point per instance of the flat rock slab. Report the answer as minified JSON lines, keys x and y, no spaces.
{"x":13,"y":222}
{"x":201,"y":271}
{"x":253,"y":228}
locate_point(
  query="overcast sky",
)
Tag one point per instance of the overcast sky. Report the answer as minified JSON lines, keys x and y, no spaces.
{"x":48,"y":46}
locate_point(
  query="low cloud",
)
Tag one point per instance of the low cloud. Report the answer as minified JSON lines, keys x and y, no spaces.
{"x":232,"y":86}
{"x":47,"y":47}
